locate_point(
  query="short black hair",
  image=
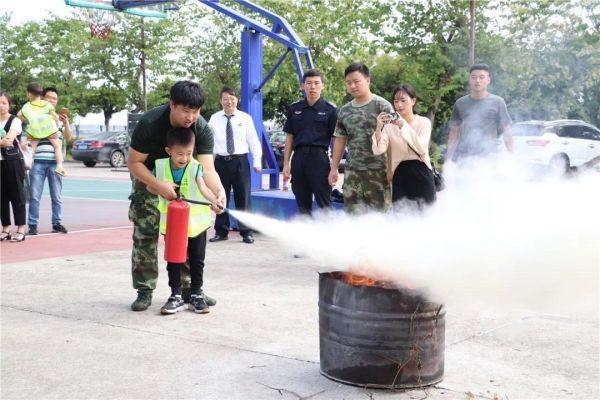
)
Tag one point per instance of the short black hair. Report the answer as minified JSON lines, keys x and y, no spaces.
{"x":228,"y":90}
{"x":479,"y":67}
{"x":357,"y":66}
{"x":180,"y":136}
{"x":50,"y":89}
{"x":313,"y":72}
{"x":188,"y":94}
{"x":34,"y":88}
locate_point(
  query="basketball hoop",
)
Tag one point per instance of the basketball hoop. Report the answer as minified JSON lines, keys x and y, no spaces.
{"x":101,"y":23}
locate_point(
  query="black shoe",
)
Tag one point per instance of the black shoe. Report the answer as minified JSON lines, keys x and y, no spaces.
{"x":32,"y":230}
{"x":217,"y":238}
{"x":248,"y":239}
{"x":173,"y":304}
{"x":143,"y":301}
{"x":198,"y":304}
{"x":186,"y":295}
{"x":58,"y":228}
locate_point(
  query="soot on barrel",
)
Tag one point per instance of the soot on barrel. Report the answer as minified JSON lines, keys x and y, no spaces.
{"x":377,"y":334}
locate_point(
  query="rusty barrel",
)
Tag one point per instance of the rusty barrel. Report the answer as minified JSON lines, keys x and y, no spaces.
{"x":381,"y":337}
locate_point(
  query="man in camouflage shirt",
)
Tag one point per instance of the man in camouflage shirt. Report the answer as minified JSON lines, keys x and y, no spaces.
{"x":365,"y":177}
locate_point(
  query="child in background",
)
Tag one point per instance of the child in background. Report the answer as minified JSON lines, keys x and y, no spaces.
{"x":42,"y":123}
{"x":182,"y":170}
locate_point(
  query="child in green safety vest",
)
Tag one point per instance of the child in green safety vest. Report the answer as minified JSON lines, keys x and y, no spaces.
{"x":42,"y":123}
{"x":183,"y":171}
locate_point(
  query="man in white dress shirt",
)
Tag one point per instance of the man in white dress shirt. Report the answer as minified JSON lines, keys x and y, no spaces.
{"x":234,"y":135}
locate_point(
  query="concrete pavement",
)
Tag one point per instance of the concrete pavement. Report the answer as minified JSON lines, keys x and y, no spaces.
{"x":68,"y":333}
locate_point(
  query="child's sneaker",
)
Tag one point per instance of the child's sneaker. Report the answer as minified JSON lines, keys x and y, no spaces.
{"x":61,"y":171}
{"x":198,"y":304}
{"x":186,"y":294}
{"x":173,"y":304}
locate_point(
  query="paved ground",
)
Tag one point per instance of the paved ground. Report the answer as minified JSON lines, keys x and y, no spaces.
{"x":68,"y":332}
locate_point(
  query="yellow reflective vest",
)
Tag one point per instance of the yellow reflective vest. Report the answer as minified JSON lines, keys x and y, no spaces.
{"x":200,"y":216}
{"x":40,"y":123}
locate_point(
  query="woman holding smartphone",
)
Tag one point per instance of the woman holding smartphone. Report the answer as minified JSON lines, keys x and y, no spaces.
{"x":407,"y":136}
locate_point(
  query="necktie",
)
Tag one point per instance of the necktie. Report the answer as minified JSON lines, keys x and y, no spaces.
{"x":229,"y":133}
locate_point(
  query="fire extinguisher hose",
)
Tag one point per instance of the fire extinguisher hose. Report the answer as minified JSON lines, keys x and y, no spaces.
{"x":203,"y":203}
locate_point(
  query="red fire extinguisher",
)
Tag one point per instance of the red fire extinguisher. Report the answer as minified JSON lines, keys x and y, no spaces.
{"x":176,"y":236}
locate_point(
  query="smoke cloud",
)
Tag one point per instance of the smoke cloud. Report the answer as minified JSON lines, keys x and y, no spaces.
{"x":495,"y":238}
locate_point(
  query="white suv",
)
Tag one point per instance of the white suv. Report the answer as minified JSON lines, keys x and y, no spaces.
{"x":559,"y":144}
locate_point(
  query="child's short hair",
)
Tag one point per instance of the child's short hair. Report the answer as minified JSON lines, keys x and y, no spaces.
{"x":34,"y":88}
{"x":180,"y":136}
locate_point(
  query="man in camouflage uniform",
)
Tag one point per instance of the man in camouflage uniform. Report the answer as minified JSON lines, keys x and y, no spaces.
{"x":148,"y":143}
{"x":365,"y":177}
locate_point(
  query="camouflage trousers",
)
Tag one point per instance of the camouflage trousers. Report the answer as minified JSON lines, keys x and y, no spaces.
{"x":144,"y":214}
{"x":366,"y":191}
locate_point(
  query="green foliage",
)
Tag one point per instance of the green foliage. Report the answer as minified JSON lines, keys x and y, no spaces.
{"x":548,"y":66}
{"x":91,"y":74}
{"x":543,"y":54}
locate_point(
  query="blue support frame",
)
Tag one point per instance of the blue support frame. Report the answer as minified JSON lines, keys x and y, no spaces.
{"x":252,"y":66}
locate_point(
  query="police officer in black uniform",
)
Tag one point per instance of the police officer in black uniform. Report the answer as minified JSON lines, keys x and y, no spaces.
{"x":309,"y":127}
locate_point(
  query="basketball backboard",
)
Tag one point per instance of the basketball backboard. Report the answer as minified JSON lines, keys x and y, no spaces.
{"x":141,"y":8}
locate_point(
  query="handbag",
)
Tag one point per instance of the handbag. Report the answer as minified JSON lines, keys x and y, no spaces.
{"x":438,"y":179}
{"x":27,"y":156}
{"x":12,"y":152}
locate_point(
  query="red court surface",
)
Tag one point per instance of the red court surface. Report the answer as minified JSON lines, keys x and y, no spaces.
{"x":95,"y":212}
{"x":60,"y":245}
{"x":94,"y":224}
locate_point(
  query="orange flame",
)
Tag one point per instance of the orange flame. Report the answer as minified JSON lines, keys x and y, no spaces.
{"x":354,"y":278}
{"x":360,"y":280}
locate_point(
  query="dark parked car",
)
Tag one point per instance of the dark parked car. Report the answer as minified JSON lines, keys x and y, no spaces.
{"x":277,"y":139}
{"x":111,"y":147}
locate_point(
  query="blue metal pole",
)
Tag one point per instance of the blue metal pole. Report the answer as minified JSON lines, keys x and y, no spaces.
{"x":252,"y":99}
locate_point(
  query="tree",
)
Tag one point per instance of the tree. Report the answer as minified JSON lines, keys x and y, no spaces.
{"x":432,"y":36}
{"x":336,"y":32}
{"x":43,"y":52}
{"x":549,"y":60}
{"x":91,"y":74}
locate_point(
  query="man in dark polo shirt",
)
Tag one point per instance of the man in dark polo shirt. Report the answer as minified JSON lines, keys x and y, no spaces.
{"x":148,"y":143}
{"x":309,"y":127}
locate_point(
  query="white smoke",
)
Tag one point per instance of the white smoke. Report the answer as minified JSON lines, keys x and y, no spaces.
{"x":495,"y":238}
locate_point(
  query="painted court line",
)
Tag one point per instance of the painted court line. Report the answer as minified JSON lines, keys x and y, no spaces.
{"x":92,"y":199}
{"x":81,"y":231}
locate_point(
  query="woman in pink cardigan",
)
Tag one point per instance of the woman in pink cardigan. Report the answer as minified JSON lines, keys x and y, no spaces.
{"x":407,"y":136}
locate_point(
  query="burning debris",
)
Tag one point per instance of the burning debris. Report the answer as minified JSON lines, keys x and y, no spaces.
{"x":376,"y":334}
